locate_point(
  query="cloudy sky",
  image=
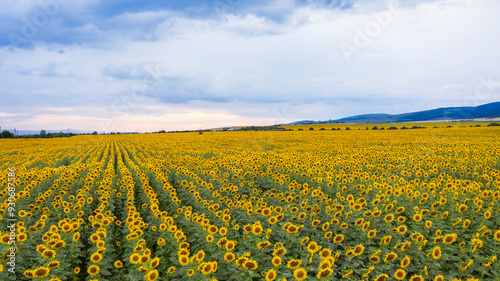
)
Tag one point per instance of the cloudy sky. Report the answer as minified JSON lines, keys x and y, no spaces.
{"x":187,"y":64}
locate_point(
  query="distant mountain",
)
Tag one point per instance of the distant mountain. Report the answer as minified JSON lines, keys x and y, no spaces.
{"x":490,"y":110}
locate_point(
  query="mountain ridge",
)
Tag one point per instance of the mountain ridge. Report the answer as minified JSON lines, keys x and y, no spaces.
{"x":489,"y":110}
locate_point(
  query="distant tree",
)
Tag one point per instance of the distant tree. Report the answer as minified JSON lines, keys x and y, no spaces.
{"x":392,"y":128}
{"x":43,"y":133}
{"x":347,"y":128}
{"x":94,"y":133}
{"x":375,"y":128}
{"x":311,"y":129}
{"x":493,"y":124}
{"x":6,"y":134}
{"x":300,"y":129}
{"x":322,"y":129}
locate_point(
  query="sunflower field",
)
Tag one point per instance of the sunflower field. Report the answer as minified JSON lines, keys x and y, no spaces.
{"x":291,"y":205}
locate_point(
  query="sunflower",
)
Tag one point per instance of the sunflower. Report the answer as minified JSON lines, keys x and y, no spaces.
{"x":264,"y":244}
{"x":205,"y":268}
{"x":183,"y":260}
{"x":497,"y":235}
{"x":271,"y":275}
{"x":402,"y":229}
{"x":183,"y":252}
{"x":76,"y":270}
{"x":405,"y":262}
{"x":428,"y":224}
{"x":300,"y":274}
{"x":154,"y":262}
{"x":272,"y":220}
{"x":327,"y":263}
{"x":462,"y":208}
{"x":96,"y":257}
{"x":54,"y":264}
{"x":417,"y":278}
{"x":152,"y":275}
{"x":315,"y":223}
{"x":338,"y":238}
{"x":230,"y":245}
{"x":325,"y":253}
{"x":276,"y":260}
{"x":241,"y":260}
{"x":76,"y":236}
{"x":222,"y":242}
{"x":292,"y":229}
{"x":94,"y":237}
{"x":59,"y":244}
{"x":49,"y":254}
{"x":371,"y":233}
{"x":40,"y":248}
{"x":248,"y":228}
{"x":390,"y":257}
{"x":450,"y":238}
{"x":223,"y":231}
{"x":135,"y":258}
{"x":118,"y":264}
{"x":22,"y":237}
{"x":358,"y":250}
{"x":190,"y":272}
{"x":381,"y":277}
{"x":279,"y":252}
{"x":171,"y":269}
{"x":374,"y":259}
{"x":400,"y":274}
{"x":210,"y":238}
{"x":41,"y":272}
{"x":324,"y":273}
{"x":348,"y":273}
{"x":312,"y":247}
{"x":250,"y":265}
{"x":389,"y":218}
{"x":304,"y":240}
{"x":229,"y":257}
{"x":439,"y":278}
{"x":93,"y":270}
{"x":100,"y":244}
{"x":294,"y":264}
{"x":436,"y":252}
